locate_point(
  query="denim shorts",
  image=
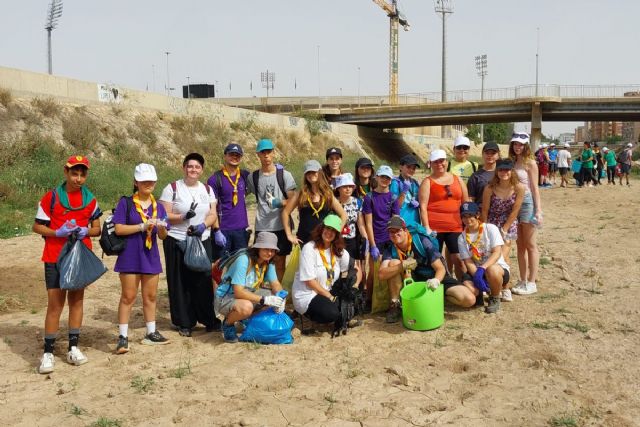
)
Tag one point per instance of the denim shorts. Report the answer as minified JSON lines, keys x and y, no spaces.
{"x":527,"y":210}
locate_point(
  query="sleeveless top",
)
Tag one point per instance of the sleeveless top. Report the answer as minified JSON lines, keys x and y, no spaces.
{"x":499,"y":211}
{"x":308,"y":221}
{"x":443,"y":209}
{"x":523,"y":177}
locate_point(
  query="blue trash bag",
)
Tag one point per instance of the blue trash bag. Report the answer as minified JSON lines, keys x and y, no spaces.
{"x":269,"y":327}
{"x":78,"y":266}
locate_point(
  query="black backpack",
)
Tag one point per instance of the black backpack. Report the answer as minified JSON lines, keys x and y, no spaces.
{"x":110,"y":242}
{"x":279,"y":177}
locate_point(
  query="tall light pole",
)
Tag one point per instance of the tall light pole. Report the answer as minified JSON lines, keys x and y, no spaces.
{"x":358,"y":86}
{"x":188,"y":88}
{"x":537,"y":55}
{"x":444,"y":7}
{"x":168,"y":81}
{"x":153,"y":76}
{"x":481,"y":67}
{"x":267,"y":79}
{"x":319,"y":99}
{"x":53,"y":14}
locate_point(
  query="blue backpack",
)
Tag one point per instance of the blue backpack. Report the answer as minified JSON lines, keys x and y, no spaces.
{"x":418,"y":232}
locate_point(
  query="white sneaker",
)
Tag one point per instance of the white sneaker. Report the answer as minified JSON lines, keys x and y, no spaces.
{"x":519,"y":286}
{"x":46,"y":363}
{"x":528,"y":289}
{"x":506,"y":295}
{"x":75,"y":357}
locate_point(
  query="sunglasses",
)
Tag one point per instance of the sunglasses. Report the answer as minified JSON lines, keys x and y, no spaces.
{"x":447,"y":188}
{"x":520,"y":135}
{"x":461,"y":147}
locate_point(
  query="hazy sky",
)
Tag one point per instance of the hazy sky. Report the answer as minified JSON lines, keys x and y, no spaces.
{"x":231,"y":42}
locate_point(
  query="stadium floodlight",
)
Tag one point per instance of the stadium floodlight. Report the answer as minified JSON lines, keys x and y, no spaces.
{"x":53,"y":14}
{"x":267,"y":79}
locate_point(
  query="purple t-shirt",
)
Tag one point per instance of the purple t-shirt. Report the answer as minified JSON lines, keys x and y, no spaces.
{"x":230,"y":217}
{"x":136,"y":258}
{"x":382,"y":206}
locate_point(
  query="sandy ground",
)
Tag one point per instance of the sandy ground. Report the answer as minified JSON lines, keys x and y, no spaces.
{"x":566,"y":356}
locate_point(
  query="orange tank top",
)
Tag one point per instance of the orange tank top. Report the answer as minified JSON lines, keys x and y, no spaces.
{"x":444,"y":206}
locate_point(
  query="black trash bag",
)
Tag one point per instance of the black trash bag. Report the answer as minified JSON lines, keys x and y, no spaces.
{"x":195,"y":255}
{"x":77,"y":265}
{"x":349,"y":300}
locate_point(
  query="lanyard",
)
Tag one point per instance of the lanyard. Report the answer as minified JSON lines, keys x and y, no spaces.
{"x":234,"y":200}
{"x":260,"y":272}
{"x":330,"y":270}
{"x":154,"y":214}
{"x":404,"y":255}
{"x":475,"y":253}
{"x":316,"y":212}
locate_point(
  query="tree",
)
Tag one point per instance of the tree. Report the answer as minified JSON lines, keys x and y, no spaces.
{"x":473,"y":133}
{"x":498,"y":132}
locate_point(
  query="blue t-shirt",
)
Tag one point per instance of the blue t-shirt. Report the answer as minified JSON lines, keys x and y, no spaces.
{"x":237,"y":274}
{"x":424,"y":260}
{"x":553,"y":155}
{"x":381,"y":206}
{"x":407,"y":211}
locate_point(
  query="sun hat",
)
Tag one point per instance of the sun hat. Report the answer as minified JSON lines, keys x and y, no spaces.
{"x":363,"y":161}
{"x":233,"y":148}
{"x":193,"y":156}
{"x":396,"y":222}
{"x":409,"y":160}
{"x":77,"y":160}
{"x":312,"y":166}
{"x":437,"y":155}
{"x":333,"y":221}
{"x":504,"y":164}
{"x":490,"y":146}
{"x":145,"y":172}
{"x":264,"y":144}
{"x":521,"y":137}
{"x":344,"y":180}
{"x":333,"y":150}
{"x":385,"y":170}
{"x":266,"y":240}
{"x":469,"y":208}
{"x":461,"y":140}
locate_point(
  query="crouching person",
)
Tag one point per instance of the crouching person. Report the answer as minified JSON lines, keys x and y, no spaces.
{"x":413,"y":255}
{"x":480,"y":247}
{"x":248,"y":285}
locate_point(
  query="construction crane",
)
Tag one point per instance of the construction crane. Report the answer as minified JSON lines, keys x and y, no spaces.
{"x":395,"y":18}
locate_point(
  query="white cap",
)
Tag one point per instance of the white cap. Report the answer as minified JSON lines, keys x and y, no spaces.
{"x":605,"y":149}
{"x":462,"y":140}
{"x":566,"y":144}
{"x":145,"y":172}
{"x":629,"y":145}
{"x":521,"y":137}
{"x":437,"y":155}
{"x":312,"y":166}
{"x":553,"y":144}
{"x":344,"y":180}
{"x":544,"y":145}
{"x":385,"y":170}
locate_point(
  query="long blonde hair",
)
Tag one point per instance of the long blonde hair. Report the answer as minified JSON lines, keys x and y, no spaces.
{"x":324,"y":189}
{"x":513,"y":180}
{"x":526,"y":153}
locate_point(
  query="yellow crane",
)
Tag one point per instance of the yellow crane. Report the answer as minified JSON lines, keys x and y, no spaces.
{"x":395,"y":18}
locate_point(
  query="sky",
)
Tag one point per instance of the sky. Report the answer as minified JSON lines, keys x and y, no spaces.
{"x":328,"y":47}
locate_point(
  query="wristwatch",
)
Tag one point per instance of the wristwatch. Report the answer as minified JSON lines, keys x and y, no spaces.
{"x":261,"y":300}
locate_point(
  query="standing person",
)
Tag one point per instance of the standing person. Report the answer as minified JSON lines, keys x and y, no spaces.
{"x":274,"y":187}
{"x":481,"y":177}
{"x":248,"y":285}
{"x":333,"y":168}
{"x":140,"y":219}
{"x":364,"y":177}
{"x":191,"y":209}
{"x":441,"y":195}
{"x":542,"y":158}
{"x":610,"y":162}
{"x":460,"y":165}
{"x":553,"y":162}
{"x":229,"y":185}
{"x":598,"y":163}
{"x":501,"y":204}
{"x":564,"y":164}
{"x":354,"y":231}
{"x":378,"y":208}
{"x":314,"y":201}
{"x":530,"y":215}
{"x":406,"y":189}
{"x":68,"y":208}
{"x":586,"y":173}
{"x":625,"y":159}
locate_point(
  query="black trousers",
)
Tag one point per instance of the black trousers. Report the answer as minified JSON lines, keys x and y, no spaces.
{"x":322,"y":310}
{"x":190,"y":292}
{"x":611,"y":173}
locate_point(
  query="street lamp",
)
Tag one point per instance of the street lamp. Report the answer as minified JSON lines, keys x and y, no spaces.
{"x":481,"y":67}
{"x":53,"y":14}
{"x":188,"y":88}
{"x":358,"y":86}
{"x":444,"y":7}
{"x":319,"y":99}
{"x":168,"y":88}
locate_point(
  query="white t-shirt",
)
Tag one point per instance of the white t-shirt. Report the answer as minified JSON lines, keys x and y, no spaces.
{"x":312,"y":267}
{"x":490,"y":239}
{"x":563,"y":158}
{"x":184,"y":197}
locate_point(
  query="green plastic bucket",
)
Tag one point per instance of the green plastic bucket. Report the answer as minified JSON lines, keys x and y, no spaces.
{"x":422,"y":307}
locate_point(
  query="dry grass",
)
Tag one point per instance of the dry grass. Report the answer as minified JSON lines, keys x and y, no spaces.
{"x":81,"y":131}
{"x":48,"y":107}
{"x":5,"y":97}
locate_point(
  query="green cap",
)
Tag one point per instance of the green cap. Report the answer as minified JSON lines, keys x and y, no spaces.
{"x":334,"y":222}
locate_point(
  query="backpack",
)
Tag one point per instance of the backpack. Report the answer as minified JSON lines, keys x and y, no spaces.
{"x":540,"y":157}
{"x":174,"y":188}
{"x":110,"y":242}
{"x":418,"y":232}
{"x":349,"y":300}
{"x":221,"y":266}
{"x":623,"y":157}
{"x":255,"y":176}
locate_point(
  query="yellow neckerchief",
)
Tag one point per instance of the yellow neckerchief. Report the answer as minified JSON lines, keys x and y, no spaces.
{"x":316,"y":212}
{"x":260,"y":272}
{"x":475,"y":254}
{"x":403,"y":255}
{"x":329,"y":268}
{"x":154,"y":215}
{"x":234,"y":200}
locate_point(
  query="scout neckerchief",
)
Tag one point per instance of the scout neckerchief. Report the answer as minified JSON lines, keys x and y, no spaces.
{"x":260,"y":272}
{"x":404,"y":255}
{"x":154,"y":214}
{"x":363,"y":189}
{"x":475,"y":253}
{"x":63,"y":197}
{"x":329,"y":268}
{"x":234,"y":200}
{"x":316,"y":212}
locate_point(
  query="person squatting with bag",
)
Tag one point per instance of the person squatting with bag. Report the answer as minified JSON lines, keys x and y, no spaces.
{"x":249,"y":284}
{"x":69,"y":208}
{"x":191,"y":210}
{"x":140,"y":218}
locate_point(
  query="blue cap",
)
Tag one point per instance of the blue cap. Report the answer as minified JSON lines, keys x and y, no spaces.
{"x":385,"y":170}
{"x":469,"y":208}
{"x":264,"y":144}
{"x":233,"y":148}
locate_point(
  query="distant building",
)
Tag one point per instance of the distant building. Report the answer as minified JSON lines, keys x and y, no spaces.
{"x":600,"y":131}
{"x":566,"y":137}
{"x":631,"y":130}
{"x":581,"y":134}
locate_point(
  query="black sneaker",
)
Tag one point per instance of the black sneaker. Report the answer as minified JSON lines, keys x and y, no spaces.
{"x":123,"y":345}
{"x":494,"y":305}
{"x":394,"y":312}
{"x":184,"y":332}
{"x":154,"y":338}
{"x":479,"y":300}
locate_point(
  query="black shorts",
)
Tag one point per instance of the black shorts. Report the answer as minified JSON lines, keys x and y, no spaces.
{"x":563,"y":171}
{"x":505,"y":278}
{"x":351,"y":245}
{"x":450,"y":239}
{"x":625,"y":168}
{"x":284,"y":245}
{"x":553,"y":166}
{"x":51,"y":275}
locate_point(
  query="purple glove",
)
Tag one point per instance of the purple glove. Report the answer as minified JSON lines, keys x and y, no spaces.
{"x":66,"y":229}
{"x":478,"y":280}
{"x":405,"y":186}
{"x":375,"y":253}
{"x":82,"y":232}
{"x":196,"y":230}
{"x":220,"y":239}
{"x":414,"y":203}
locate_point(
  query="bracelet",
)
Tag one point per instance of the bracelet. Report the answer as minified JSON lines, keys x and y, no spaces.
{"x":142,"y":226}
{"x":261,"y":300}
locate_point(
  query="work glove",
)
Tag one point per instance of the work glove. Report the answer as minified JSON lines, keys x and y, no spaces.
{"x":279,"y":309}
{"x":220,"y":239}
{"x":273,"y":202}
{"x":66,"y":229}
{"x":82,"y":232}
{"x":433,"y":283}
{"x":409,"y":264}
{"x":414,"y":203}
{"x":375,"y":253}
{"x":479,"y":281}
{"x":191,"y":212}
{"x":405,"y":186}
{"x":274,"y":301}
{"x":196,"y":230}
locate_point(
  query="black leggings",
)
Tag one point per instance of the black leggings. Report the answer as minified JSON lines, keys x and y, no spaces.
{"x":586,"y":176}
{"x":322,"y":310}
{"x":611,"y":173}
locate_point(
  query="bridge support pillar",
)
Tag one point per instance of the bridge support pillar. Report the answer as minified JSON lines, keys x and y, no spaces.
{"x":536,"y":126}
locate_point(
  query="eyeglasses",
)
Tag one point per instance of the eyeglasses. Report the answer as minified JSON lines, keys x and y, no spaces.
{"x":447,"y":188}
{"x":520,"y":135}
{"x":461,"y":147}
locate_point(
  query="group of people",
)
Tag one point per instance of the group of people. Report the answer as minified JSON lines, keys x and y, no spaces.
{"x":454,"y":229}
